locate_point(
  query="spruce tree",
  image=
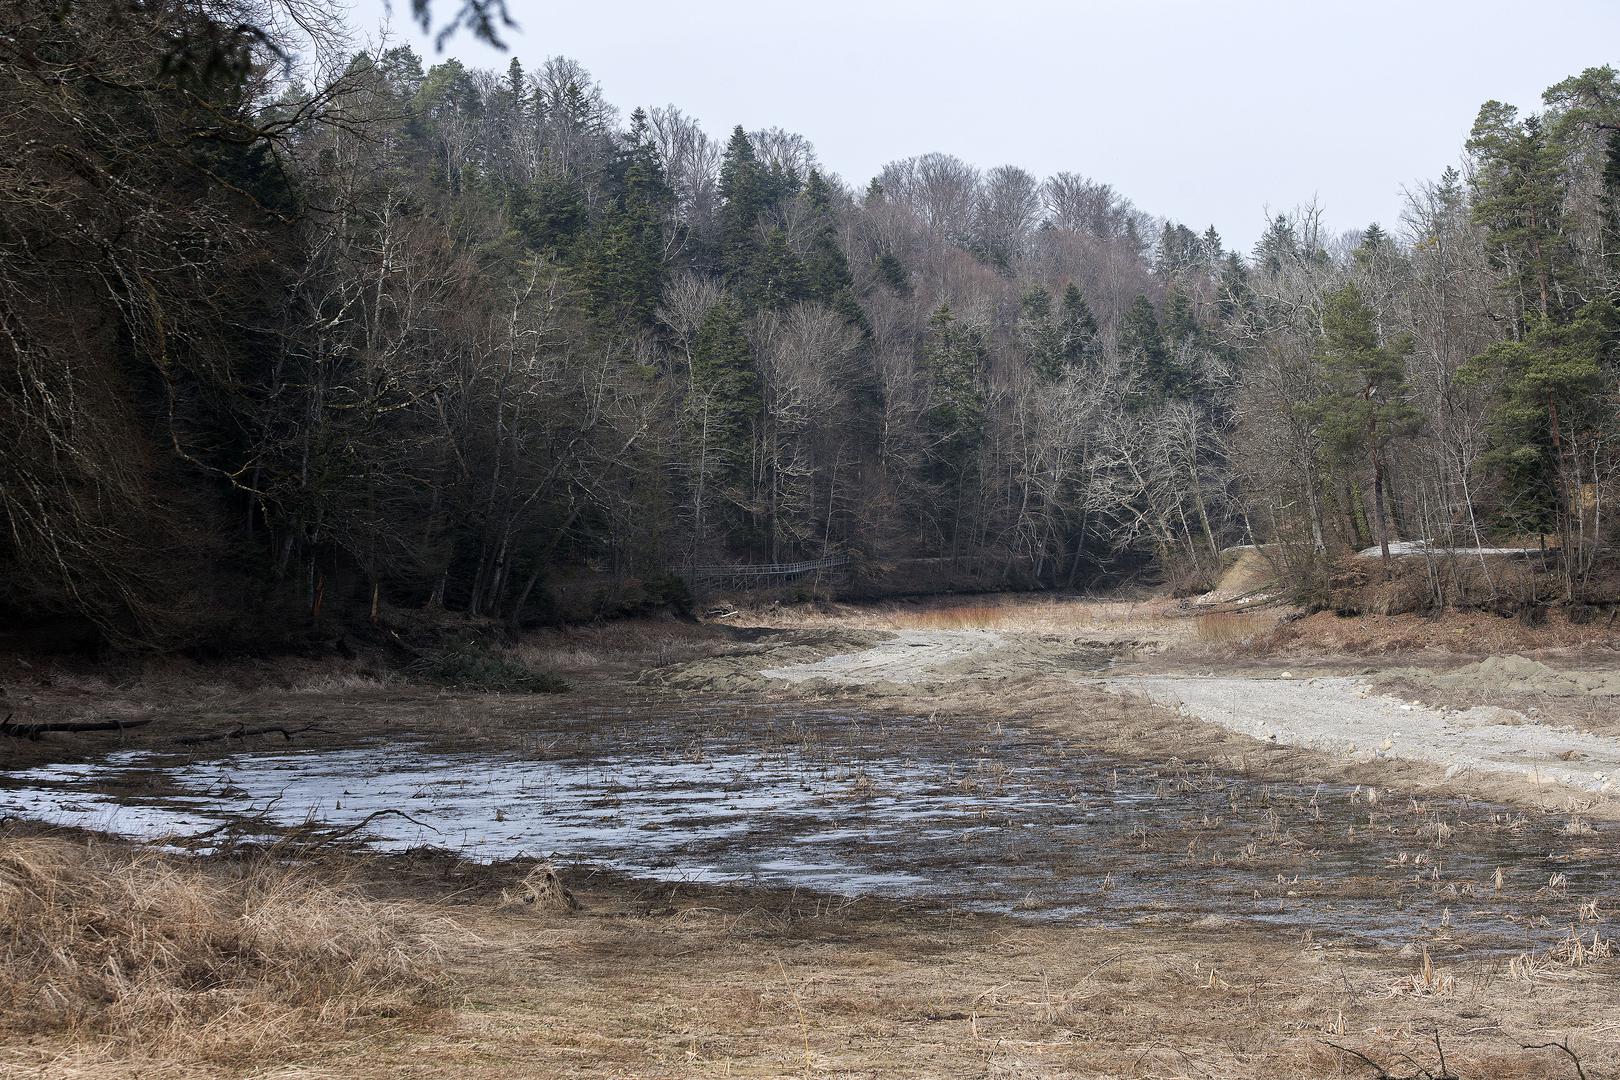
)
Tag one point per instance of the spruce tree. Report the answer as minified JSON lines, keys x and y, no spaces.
{"x":826,"y":267}
{"x":741,"y":202}
{"x":953,"y":359}
{"x":779,"y":279}
{"x":623,"y":265}
{"x":726,"y":380}
{"x":1141,"y":342}
{"x":1180,"y":320}
{"x":1078,"y":346}
{"x":1038,"y":333}
{"x":892,"y":272}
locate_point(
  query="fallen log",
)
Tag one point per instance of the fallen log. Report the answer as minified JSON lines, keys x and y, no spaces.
{"x":241,"y":732}
{"x":45,"y":727}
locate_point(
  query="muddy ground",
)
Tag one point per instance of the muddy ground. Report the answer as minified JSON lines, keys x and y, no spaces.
{"x":1018,"y":838}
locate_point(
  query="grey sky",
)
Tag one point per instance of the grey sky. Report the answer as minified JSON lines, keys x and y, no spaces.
{"x":1205,"y":112}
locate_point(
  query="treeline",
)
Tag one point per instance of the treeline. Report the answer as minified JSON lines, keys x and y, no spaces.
{"x":439,"y":337}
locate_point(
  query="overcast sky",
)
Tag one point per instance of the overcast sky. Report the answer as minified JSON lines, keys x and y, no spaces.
{"x":1202,"y":111}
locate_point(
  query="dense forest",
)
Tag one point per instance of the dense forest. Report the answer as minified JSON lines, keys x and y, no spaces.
{"x":280,"y":334}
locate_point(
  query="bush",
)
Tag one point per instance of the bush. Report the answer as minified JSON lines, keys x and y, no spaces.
{"x":477,"y":667}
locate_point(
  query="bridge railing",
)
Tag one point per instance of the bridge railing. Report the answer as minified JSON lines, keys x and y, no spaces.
{"x":763,"y":573}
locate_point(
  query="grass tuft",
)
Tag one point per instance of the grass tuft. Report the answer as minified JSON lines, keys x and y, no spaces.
{"x":220,"y":961}
{"x":1224,"y":627}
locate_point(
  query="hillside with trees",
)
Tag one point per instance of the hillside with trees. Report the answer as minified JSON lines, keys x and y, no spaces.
{"x":418,"y":335}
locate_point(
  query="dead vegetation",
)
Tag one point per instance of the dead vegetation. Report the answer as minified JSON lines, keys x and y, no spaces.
{"x":1227,"y":627}
{"x":1470,"y":633}
{"x":1013,"y":613}
{"x":127,"y":951}
{"x":571,"y":972}
{"x":698,"y":981}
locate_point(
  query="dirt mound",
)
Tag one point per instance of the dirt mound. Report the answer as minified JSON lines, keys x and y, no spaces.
{"x":739,"y":669}
{"x":1515,"y":674}
{"x":1249,"y":572}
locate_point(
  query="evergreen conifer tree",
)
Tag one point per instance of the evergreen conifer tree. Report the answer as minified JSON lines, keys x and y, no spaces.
{"x":1363,"y":404}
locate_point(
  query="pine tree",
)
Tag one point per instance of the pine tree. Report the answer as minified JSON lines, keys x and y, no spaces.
{"x":1610,"y":203}
{"x":1518,"y":197}
{"x":1363,"y":404}
{"x":1552,"y":381}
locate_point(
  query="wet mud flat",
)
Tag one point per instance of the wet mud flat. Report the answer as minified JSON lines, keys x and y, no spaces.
{"x":947,"y":811}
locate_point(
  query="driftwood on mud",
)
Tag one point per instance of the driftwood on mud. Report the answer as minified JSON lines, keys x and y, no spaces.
{"x":45,"y":727}
{"x":333,"y":835}
{"x":305,"y":838}
{"x":241,"y":732}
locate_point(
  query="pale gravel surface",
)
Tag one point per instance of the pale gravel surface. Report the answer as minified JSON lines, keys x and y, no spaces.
{"x":911,"y":656}
{"x":1344,"y":716}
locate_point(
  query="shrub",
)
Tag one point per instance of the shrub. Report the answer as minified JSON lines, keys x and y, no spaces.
{"x":477,"y":667}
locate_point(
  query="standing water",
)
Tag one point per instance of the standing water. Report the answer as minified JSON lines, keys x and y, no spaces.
{"x":987,"y":818}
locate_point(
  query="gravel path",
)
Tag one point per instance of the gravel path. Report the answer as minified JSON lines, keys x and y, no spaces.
{"x":1343,"y":716}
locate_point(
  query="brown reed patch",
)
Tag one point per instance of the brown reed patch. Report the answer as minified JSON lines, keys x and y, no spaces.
{"x":202,"y":960}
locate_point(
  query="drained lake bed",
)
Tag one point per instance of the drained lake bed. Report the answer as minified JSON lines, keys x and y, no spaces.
{"x":960,"y":813}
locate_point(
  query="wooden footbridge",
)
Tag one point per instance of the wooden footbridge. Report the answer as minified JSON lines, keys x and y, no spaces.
{"x":763,"y":575}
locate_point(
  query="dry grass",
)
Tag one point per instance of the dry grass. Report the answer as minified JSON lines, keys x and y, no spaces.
{"x":704,"y":982}
{"x":954,"y":617}
{"x":1031,"y":613}
{"x":344,"y":682}
{"x":540,"y":890}
{"x":1225,"y":627}
{"x":625,"y":643}
{"x":111,"y":946}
